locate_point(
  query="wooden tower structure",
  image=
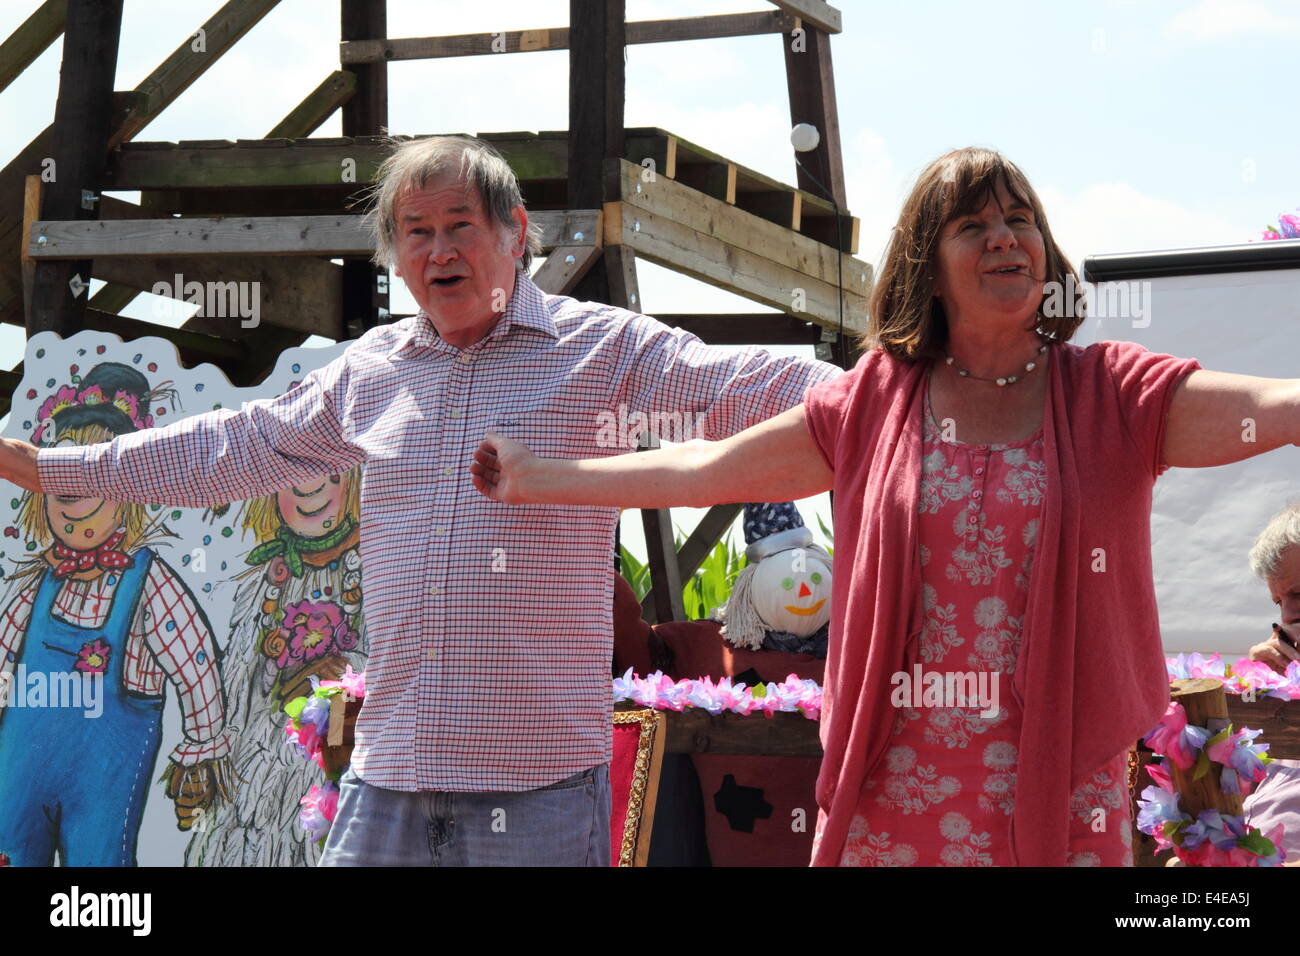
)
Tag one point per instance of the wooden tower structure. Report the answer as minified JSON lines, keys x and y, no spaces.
{"x":277,"y":209}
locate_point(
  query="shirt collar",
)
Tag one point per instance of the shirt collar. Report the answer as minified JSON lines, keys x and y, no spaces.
{"x":526,"y":309}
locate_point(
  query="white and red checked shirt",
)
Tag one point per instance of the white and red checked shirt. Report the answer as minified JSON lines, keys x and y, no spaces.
{"x":490,"y":625}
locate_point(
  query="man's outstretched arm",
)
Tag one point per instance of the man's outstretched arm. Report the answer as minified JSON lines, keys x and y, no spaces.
{"x":219,"y":456}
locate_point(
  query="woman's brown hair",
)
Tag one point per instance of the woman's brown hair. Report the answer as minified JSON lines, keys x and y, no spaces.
{"x":906,"y":319}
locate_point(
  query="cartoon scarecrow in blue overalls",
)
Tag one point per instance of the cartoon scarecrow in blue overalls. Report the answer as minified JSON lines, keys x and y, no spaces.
{"x":99,"y":601}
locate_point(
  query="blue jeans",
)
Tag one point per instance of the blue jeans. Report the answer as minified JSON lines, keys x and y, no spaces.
{"x":563,"y":824}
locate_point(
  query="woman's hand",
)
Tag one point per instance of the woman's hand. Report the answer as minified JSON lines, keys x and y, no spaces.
{"x":1276,"y":652}
{"x":503,"y":469}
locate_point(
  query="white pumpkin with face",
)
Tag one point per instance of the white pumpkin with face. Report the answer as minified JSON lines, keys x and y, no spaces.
{"x":791,"y":592}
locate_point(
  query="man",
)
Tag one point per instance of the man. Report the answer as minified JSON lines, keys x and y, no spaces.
{"x":1275,"y":557}
{"x":485,"y":733}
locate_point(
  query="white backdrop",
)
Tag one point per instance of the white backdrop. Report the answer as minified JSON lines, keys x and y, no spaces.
{"x":1204,"y":520}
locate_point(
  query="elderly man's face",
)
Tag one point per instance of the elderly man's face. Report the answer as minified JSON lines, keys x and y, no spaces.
{"x":458,"y":262}
{"x":1285,"y":586}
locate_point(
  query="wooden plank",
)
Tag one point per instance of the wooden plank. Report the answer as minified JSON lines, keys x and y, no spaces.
{"x":307,"y":201}
{"x":557,"y":38}
{"x":739,"y":228}
{"x":365,"y":284}
{"x":1279,"y":719}
{"x":83,"y":117}
{"x":194,"y":347}
{"x":758,"y":328}
{"x":303,"y":293}
{"x":781,"y":735}
{"x":700,"y":542}
{"x":318,"y":106}
{"x":32,"y":38}
{"x":810,"y":82}
{"x":596,"y":94}
{"x":564,"y":268}
{"x":816,"y":12}
{"x":665,"y":603}
{"x":31,"y":213}
{"x":186,"y":64}
{"x":329,"y":236}
{"x":729,"y":267}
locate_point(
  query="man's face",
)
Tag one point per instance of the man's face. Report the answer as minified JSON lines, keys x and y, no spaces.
{"x":1284,"y":587}
{"x":458,"y":262}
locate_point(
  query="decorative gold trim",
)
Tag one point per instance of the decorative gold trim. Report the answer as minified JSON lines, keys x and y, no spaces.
{"x":644,"y":771}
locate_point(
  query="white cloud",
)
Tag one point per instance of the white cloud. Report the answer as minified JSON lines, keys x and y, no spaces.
{"x":1115,"y":217}
{"x":1212,"y":19}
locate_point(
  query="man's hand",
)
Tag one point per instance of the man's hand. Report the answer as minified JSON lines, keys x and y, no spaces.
{"x":18,"y":463}
{"x":1276,"y":652}
{"x":505,"y":469}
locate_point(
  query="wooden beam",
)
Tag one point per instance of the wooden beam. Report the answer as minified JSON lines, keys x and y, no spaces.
{"x":759,"y":328}
{"x":32,"y":38}
{"x":83,"y":119}
{"x":329,"y":236}
{"x":557,"y":38}
{"x":303,"y":293}
{"x":664,"y":600}
{"x":318,"y":106}
{"x":159,"y":89}
{"x":696,"y":731}
{"x":810,"y":81}
{"x":596,"y":91}
{"x":816,"y":12}
{"x":564,"y":268}
{"x":31,"y":214}
{"x":701,"y":541}
{"x":365,"y":284}
{"x":188,"y":62}
{"x":194,"y":347}
{"x":737,"y":227}
{"x":729,"y":267}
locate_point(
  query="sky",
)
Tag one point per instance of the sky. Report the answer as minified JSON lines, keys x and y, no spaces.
{"x":1143,"y":124}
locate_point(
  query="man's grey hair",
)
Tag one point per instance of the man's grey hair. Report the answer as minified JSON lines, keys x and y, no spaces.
{"x":413,"y":163}
{"x":1282,"y":532}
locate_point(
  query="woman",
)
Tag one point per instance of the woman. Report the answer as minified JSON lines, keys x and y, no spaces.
{"x":992,"y":520}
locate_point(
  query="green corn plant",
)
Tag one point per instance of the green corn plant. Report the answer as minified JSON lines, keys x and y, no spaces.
{"x":634,"y":572}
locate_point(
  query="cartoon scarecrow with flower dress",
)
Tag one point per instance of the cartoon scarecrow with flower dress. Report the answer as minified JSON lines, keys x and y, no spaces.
{"x":296,"y":621}
{"x":96,"y":599}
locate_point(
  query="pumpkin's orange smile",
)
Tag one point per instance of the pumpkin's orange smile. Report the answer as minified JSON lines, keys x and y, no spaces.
{"x":805,"y":611}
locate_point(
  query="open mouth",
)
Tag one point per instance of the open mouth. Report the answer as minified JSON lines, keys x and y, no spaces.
{"x":1008,"y":271}
{"x":448,"y":282}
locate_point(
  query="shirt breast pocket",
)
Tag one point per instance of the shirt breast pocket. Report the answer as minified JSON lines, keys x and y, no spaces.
{"x":566,"y":422}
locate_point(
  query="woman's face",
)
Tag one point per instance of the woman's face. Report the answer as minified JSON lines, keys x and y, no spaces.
{"x":991,"y":264}
{"x":314,"y":510}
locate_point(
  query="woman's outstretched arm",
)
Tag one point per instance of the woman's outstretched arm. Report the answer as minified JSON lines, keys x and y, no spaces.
{"x":776,"y":460}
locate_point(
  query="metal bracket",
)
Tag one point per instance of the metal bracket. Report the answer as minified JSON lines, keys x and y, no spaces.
{"x":88,"y":199}
{"x":381,"y":283}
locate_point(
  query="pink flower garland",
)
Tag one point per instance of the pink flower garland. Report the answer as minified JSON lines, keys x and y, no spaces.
{"x":660,"y":692}
{"x":1213,"y":838}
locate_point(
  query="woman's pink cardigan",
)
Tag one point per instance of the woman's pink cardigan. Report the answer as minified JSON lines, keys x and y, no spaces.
{"x":1091,"y":677}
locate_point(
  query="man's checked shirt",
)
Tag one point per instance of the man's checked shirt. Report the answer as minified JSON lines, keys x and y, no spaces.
{"x":490,"y":625}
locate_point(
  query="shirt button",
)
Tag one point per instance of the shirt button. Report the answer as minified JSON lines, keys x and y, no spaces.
{"x":447,"y":471}
{"x":431,"y":654}
{"x":455,"y":413}
{"x":433,"y":591}
{"x":439,"y":531}
{"x":978,"y":493}
{"x":466,"y":358}
{"x":972,"y":521}
{"x":979,"y":471}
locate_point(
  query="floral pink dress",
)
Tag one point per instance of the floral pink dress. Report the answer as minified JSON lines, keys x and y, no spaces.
{"x":943,"y":793}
